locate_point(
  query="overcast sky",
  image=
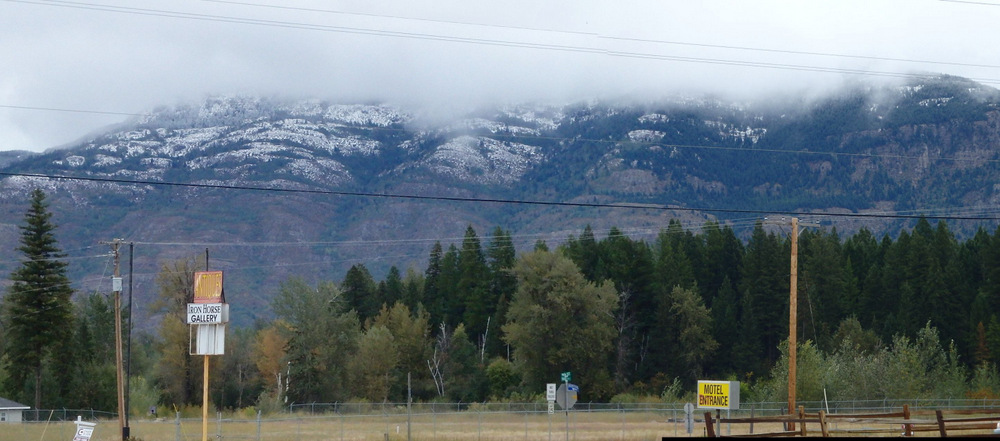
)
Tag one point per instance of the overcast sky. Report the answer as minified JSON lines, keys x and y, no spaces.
{"x":71,"y":67}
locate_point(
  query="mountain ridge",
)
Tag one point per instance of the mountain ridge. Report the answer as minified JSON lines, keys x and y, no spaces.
{"x":927,"y":146}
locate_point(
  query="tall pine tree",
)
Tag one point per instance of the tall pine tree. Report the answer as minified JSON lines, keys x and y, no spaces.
{"x":37,"y":310}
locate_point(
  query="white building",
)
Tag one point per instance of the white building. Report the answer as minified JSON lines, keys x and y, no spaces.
{"x":10,"y":411}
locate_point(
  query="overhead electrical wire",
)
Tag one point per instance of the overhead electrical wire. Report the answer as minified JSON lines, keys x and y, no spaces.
{"x":971,"y":2}
{"x":623,"y":205}
{"x":399,"y":17}
{"x":493,"y":42}
{"x":613,"y":37}
{"x":87,"y":111}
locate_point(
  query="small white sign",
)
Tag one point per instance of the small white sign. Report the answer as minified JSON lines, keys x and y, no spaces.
{"x":550,"y":392}
{"x":207,"y":313}
{"x":84,"y":430}
{"x":552,"y":407}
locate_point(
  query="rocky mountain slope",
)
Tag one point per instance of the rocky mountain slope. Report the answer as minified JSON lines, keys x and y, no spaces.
{"x":276,"y":188}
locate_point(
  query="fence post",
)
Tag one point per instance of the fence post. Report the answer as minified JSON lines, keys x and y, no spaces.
{"x":709,"y":429}
{"x":177,"y":422}
{"x":906,"y":416}
{"x":940,"y":421}
{"x":525,"y":410}
{"x":258,"y":425}
{"x":622,"y":411}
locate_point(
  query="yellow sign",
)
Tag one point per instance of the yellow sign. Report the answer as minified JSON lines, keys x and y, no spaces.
{"x":208,"y":287}
{"x":718,"y":394}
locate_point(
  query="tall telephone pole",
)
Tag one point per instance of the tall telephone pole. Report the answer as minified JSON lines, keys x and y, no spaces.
{"x":793,"y":311}
{"x":116,"y":286}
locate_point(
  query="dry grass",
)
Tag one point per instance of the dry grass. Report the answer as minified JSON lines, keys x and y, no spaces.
{"x":583,"y":426}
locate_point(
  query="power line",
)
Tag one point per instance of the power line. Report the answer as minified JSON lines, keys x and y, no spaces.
{"x":398,"y":17}
{"x":631,"y":206}
{"x":971,"y":2}
{"x":56,"y":109}
{"x":479,"y":41}
{"x":617,"y":38}
{"x":795,"y":52}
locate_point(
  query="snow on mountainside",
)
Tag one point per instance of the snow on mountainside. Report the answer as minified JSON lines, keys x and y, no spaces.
{"x":246,"y":139}
{"x":921,"y":146}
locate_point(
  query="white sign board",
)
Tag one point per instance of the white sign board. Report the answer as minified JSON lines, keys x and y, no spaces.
{"x":84,"y":430}
{"x":207,"y":313}
{"x":550,"y":392}
{"x":208,"y":339}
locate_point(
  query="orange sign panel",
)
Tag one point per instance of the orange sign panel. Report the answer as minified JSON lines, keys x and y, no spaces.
{"x":208,"y":287}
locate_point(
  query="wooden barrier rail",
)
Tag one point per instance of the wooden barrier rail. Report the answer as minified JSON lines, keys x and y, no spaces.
{"x":964,"y":420}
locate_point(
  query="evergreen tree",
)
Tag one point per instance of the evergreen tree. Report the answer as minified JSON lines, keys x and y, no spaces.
{"x":451,"y":299}
{"x":765,"y":280}
{"x":390,"y":290}
{"x":500,"y":257}
{"x":321,"y":330}
{"x":413,"y":291}
{"x":584,"y":253}
{"x":433,"y":296}
{"x":629,"y":265}
{"x":360,"y":292}
{"x":37,"y":311}
{"x":477,"y":302}
{"x":466,"y":376}
{"x":824,"y":290}
{"x":92,"y":362}
{"x":673,"y":268}
{"x":725,"y":322}
{"x":861,"y":252}
{"x":723,"y":257}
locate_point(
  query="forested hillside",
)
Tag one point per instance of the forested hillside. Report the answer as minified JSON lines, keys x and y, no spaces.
{"x":913,"y":314}
{"x":626,"y":243}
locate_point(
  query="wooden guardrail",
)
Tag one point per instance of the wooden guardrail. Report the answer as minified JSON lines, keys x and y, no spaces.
{"x":956,"y":422}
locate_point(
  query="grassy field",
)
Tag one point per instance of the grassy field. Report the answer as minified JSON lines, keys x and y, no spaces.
{"x":583,"y":426}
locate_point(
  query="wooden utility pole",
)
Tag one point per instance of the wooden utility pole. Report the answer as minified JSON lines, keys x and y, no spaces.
{"x":793,"y":313}
{"x":793,"y":302}
{"x":116,"y":283}
{"x":204,"y":390}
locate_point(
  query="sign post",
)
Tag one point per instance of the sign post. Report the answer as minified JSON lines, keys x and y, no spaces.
{"x":566,"y":377}
{"x":566,"y":396}
{"x":207,"y":316}
{"x":689,"y":417}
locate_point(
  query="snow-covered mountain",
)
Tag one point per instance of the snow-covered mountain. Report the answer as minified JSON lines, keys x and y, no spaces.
{"x":280,"y":188}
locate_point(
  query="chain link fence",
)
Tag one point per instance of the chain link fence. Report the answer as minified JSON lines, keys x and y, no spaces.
{"x":444,"y":421}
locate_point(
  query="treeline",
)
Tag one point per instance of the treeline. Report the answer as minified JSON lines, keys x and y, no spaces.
{"x":915,"y":315}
